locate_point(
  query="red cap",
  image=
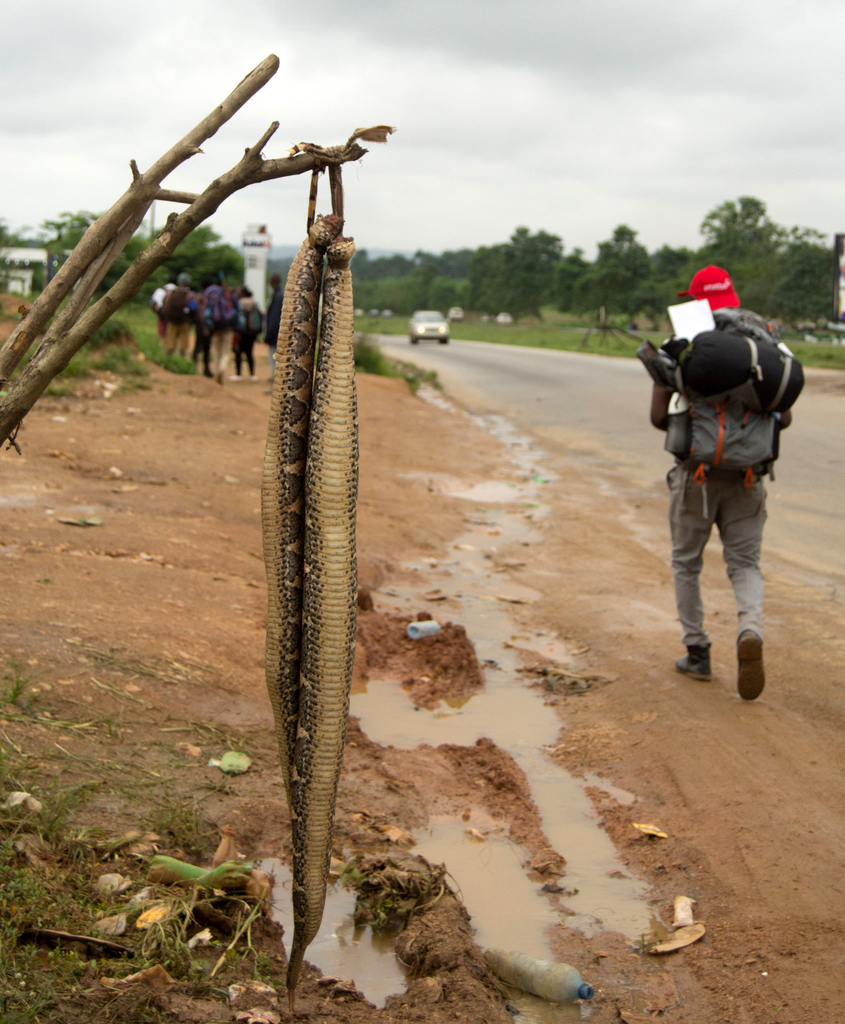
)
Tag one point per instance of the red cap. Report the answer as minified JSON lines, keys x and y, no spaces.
{"x":715,"y":285}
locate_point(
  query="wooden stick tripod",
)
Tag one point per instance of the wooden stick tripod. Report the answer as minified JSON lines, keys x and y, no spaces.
{"x":604,"y":329}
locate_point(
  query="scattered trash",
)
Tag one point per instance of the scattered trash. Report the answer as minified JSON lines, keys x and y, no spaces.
{"x":230,"y":876}
{"x":25,"y":800}
{"x":137,"y":844}
{"x":112,"y":884}
{"x":259,"y":886}
{"x":36,"y":851}
{"x":683,"y":937}
{"x":650,"y":830}
{"x":227,"y":849}
{"x":231,"y":479}
{"x":254,"y":997}
{"x":474,"y":835}
{"x":115,"y":925}
{"x":418,"y":630}
{"x":115,"y":473}
{"x":90,"y":521}
{"x":557,"y":982}
{"x":435,"y":595}
{"x":256,"y":1016}
{"x":143,"y":896}
{"x":154,"y":978}
{"x":188,"y":749}
{"x":232,"y":763}
{"x":540,"y":480}
{"x":397,"y":835}
{"x":683,"y":912}
{"x":202,"y":938}
{"x":157,"y":912}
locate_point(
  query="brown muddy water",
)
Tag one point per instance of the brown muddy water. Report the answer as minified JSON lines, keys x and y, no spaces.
{"x":507,"y":909}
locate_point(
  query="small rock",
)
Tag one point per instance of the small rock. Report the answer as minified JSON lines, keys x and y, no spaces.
{"x":112,"y":884}
{"x":115,"y":925}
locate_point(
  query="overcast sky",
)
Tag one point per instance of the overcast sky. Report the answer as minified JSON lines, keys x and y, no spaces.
{"x":567,"y":115}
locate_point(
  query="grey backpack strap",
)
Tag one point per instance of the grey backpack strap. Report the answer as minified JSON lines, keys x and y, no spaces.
{"x":784,"y":380}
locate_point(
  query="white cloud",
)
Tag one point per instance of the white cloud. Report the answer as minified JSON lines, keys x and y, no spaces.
{"x":568,"y":116}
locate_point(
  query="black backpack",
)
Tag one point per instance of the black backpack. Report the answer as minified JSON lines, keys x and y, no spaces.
{"x":175,"y":308}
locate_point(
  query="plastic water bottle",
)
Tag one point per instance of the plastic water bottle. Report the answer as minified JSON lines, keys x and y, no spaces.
{"x":559,"y":983}
{"x":417,"y":630}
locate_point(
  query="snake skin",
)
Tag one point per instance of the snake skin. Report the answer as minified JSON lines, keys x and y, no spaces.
{"x":330,"y":603}
{"x":283,"y":486}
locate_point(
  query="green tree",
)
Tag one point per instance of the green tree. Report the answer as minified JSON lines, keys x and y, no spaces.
{"x":622,"y":266}
{"x":740,"y":232}
{"x":668,"y":264}
{"x":488,"y":284}
{"x":804,"y":291}
{"x":517,"y":276}
{"x":568,"y":273}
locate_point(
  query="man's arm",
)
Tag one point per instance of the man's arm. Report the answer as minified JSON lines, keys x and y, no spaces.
{"x":660,"y":397}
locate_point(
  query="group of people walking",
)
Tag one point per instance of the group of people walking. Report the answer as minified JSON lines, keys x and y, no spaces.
{"x":214,"y":323}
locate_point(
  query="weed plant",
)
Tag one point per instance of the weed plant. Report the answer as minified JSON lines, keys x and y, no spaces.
{"x":369,"y":358}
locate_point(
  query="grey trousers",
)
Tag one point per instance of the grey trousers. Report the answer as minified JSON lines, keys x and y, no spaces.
{"x":739,"y":512}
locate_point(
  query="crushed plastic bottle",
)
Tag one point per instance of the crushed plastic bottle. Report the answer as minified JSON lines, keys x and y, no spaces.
{"x":417,"y":630}
{"x":557,"y":982}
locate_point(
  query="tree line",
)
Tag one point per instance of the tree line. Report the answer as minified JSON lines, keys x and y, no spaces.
{"x":778,"y":271}
{"x":203,"y":253}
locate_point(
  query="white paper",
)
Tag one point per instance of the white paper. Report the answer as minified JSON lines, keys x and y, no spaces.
{"x":691,"y":318}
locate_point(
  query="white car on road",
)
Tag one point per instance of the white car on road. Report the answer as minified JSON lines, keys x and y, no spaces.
{"x":428,"y":323}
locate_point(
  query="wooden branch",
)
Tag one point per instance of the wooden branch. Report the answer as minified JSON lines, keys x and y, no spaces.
{"x":143,"y":189}
{"x":64,"y":338}
{"x":169,"y":196}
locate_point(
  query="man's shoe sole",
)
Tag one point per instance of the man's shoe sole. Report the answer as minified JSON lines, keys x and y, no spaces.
{"x":752,"y":677}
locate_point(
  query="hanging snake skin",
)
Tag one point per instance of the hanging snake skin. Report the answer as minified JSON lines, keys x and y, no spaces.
{"x":309,"y":492}
{"x":283,"y":485}
{"x":330,"y":603}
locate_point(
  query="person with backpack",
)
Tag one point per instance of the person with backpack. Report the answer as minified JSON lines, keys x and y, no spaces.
{"x":248,"y":329}
{"x":202,"y":330}
{"x":273,"y":320}
{"x":722,"y":397}
{"x":178,"y":316}
{"x":221,"y":316}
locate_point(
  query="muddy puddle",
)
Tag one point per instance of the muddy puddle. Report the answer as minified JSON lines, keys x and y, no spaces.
{"x":507,"y":909}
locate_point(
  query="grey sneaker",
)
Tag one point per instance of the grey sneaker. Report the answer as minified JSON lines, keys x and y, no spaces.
{"x":696,"y":662}
{"x":751,"y":677}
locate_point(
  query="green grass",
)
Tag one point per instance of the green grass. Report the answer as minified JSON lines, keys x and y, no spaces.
{"x":369,"y":358}
{"x":532,"y":335}
{"x":142,"y":323}
{"x":562,"y":336}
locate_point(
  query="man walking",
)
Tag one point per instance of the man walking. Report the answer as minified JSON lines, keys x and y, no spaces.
{"x":735,"y":500}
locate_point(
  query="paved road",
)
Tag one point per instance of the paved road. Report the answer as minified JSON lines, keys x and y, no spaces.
{"x":598,"y":407}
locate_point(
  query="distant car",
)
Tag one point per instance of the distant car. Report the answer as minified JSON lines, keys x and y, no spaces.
{"x":373,"y":312}
{"x":455,"y":314}
{"x":387,"y":312}
{"x":504,"y":318}
{"x":359,"y":312}
{"x":428,"y":323}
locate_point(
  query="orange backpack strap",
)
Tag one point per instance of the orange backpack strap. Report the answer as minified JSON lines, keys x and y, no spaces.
{"x":749,"y":477}
{"x":700,"y":475}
